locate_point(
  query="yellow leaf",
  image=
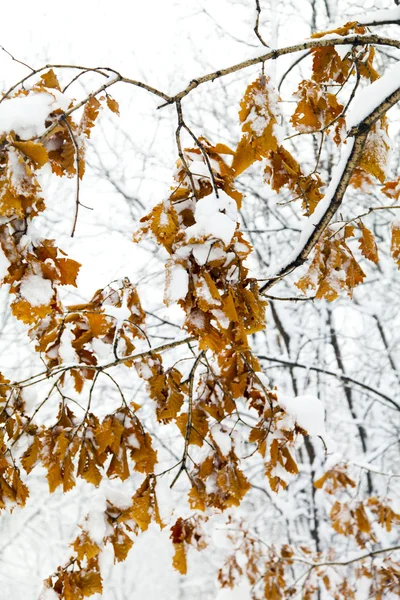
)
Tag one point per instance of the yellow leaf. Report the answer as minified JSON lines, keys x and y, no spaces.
{"x":91,"y":472}
{"x":122,"y":543}
{"x":140,"y":511}
{"x":366,"y":68}
{"x":328,"y":66}
{"x":392,"y":189}
{"x":90,"y":114}
{"x":27,"y":313}
{"x":164,"y":224}
{"x":20,"y":489}
{"x":113,"y":105}
{"x":90,"y":583}
{"x":333,"y":267}
{"x":145,"y":457}
{"x":198,"y":427}
{"x":54,"y":476}
{"x":316,"y":109}
{"x":318,"y":483}
{"x":33,"y":150}
{"x":68,"y":474}
{"x":367,"y":244}
{"x":84,"y":546}
{"x":31,"y":455}
{"x":395,"y":243}
{"x":10,"y":203}
{"x":68,"y":270}
{"x":362,"y":520}
{"x":179,"y":560}
{"x":375,"y":154}
{"x":49,"y":80}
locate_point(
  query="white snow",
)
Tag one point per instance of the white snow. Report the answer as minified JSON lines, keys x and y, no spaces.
{"x":102,"y":349}
{"x":379,"y":16}
{"x":207,"y":253}
{"x":240,"y":592}
{"x":222,"y":439}
{"x":177,"y":284}
{"x":308,"y":412}
{"x":210,"y":221}
{"x":66,"y":352}
{"x":26,"y":115}
{"x":343,"y":50}
{"x":96,"y":523}
{"x":119,"y":313}
{"x":369,"y":97}
{"x":4,"y":264}
{"x":204,"y":292}
{"x":36,"y":290}
{"x":48,"y":594}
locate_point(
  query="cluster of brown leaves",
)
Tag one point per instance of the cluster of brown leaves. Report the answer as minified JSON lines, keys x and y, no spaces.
{"x":334,"y":267}
{"x":185,"y":533}
{"x":223,"y":307}
{"x":86,"y":325}
{"x":70,"y":445}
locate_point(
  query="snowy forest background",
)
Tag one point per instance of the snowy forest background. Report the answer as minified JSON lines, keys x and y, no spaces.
{"x":346,"y":353}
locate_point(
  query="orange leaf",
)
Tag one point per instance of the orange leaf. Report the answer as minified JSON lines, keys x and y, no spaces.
{"x":90,"y":114}
{"x":33,"y":150}
{"x":395,"y":243}
{"x":113,"y":105}
{"x":368,"y":245}
{"x":179,"y":560}
{"x":259,"y":117}
{"x":49,"y":80}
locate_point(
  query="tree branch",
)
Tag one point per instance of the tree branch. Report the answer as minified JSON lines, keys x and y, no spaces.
{"x":340,"y":376}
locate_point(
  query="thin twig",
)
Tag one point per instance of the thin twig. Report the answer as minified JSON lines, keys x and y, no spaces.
{"x":257,"y":24}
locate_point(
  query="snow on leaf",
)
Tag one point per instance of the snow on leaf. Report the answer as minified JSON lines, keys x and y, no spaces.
{"x":307,"y":411}
{"x":163,"y":223}
{"x":176,"y":281}
{"x":90,"y":583}
{"x":316,"y":108}
{"x":333,"y":267}
{"x":376,"y":151}
{"x":391,"y":189}
{"x":327,"y":64}
{"x":335,"y":479}
{"x":84,"y":546}
{"x":121,"y":543}
{"x":33,"y":150}
{"x":258,"y":115}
